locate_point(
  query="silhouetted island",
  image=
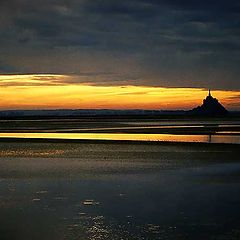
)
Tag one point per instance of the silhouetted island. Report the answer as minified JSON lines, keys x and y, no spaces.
{"x":210,"y":107}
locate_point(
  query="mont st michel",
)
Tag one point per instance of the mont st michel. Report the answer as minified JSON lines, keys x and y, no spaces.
{"x":210,"y":107}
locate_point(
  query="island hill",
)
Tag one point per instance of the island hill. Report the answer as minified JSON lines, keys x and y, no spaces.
{"x":210,"y":107}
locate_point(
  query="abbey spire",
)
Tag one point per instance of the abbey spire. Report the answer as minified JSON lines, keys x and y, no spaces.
{"x":209,"y":93}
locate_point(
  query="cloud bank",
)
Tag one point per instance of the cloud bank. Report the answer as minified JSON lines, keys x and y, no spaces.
{"x":167,"y":43}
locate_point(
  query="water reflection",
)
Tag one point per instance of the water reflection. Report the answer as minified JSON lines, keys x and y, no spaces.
{"x":210,"y":138}
{"x":168,"y":205}
{"x":129,"y":136}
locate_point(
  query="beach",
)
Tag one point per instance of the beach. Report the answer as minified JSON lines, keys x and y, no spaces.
{"x":118,"y":189}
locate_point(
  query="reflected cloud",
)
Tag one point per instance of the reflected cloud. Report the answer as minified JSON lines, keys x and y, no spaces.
{"x":127,"y":137}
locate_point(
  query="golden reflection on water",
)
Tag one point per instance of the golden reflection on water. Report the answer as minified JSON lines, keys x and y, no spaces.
{"x":127,"y":136}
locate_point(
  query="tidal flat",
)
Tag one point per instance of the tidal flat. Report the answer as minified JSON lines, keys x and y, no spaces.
{"x":111,"y":190}
{"x":67,"y":189}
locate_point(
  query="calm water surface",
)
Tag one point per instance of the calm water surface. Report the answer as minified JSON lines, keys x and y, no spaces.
{"x":226,"y":138}
{"x":123,"y":191}
{"x":118,"y":191}
{"x":195,"y":203}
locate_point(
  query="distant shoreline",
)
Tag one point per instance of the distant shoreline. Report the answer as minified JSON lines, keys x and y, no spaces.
{"x":105,"y":113}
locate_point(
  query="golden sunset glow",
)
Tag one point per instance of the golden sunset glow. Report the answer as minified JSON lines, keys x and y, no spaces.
{"x":124,"y":136}
{"x":46,"y":91}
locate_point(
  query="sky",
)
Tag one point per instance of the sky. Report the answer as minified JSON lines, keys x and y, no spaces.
{"x":151,"y":54}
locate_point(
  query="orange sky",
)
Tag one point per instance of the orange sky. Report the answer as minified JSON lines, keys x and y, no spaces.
{"x":58,"y":91}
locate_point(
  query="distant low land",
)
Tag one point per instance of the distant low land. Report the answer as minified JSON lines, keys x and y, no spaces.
{"x":96,"y":112}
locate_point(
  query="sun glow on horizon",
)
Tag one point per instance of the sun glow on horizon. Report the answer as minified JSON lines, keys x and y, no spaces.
{"x":52,"y":91}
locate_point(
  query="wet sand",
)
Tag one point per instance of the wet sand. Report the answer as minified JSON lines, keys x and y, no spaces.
{"x":72,"y":159}
{"x":157,"y":125}
{"x":118,"y":190}
{"x":67,"y":189}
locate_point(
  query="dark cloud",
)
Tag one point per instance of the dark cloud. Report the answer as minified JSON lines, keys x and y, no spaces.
{"x":93,"y":78}
{"x":183,"y":43}
{"x":6,"y":68}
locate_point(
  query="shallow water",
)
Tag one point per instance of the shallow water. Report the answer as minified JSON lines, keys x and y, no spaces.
{"x":226,"y":138}
{"x":196,"y":203}
{"x":118,"y":191}
{"x":117,"y":123}
{"x":177,"y":130}
{"x":125,"y":190}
